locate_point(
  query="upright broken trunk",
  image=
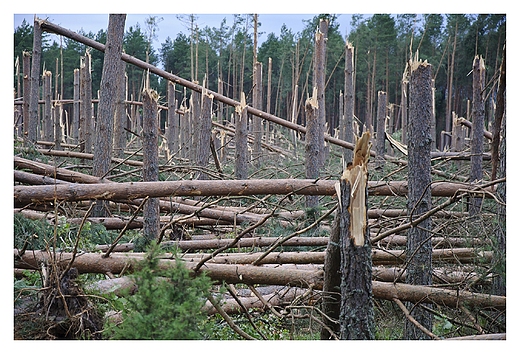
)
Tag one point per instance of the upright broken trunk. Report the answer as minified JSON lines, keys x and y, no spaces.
{"x":357,"y":312}
{"x":85,"y":117}
{"x":241,"y":153}
{"x":477,"y":131}
{"x":172,"y":130}
{"x":257,"y":121}
{"x":203,"y":133}
{"x":319,"y":82}
{"x":313,"y":142}
{"x":380,"y":138}
{"x":151,"y":225}
{"x":33,"y":119}
{"x":348,"y":112}
{"x":419,"y":246}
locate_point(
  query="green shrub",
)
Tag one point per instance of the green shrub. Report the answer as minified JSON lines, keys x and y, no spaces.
{"x":167,"y":304}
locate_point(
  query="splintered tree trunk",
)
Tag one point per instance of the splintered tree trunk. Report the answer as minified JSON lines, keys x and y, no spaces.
{"x":348,"y":113}
{"x":26,"y":67}
{"x":203,"y":135}
{"x":86,"y":105}
{"x":257,"y":121}
{"x":33,"y":118}
{"x":74,"y":129}
{"x":319,"y":82}
{"x":312,"y":145}
{"x":357,"y":311}
{"x":112,"y":70}
{"x":150,"y":162}
{"x":47,"y":109}
{"x":477,"y":131}
{"x":381,"y":117}
{"x":172,"y":130}
{"x":419,"y":246}
{"x":241,"y":152}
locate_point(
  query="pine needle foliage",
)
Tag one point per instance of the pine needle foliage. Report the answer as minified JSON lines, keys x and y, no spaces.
{"x":167,"y":304}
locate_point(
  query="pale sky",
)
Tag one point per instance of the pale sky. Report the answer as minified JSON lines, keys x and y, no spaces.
{"x":171,"y":25}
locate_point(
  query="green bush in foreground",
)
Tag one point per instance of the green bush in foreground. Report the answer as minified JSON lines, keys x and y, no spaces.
{"x":167,"y":304}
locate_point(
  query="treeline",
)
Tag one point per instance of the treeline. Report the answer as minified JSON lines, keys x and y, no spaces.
{"x":225,"y":55}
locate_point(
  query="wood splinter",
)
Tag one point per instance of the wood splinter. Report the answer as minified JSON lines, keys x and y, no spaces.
{"x":356,"y":174}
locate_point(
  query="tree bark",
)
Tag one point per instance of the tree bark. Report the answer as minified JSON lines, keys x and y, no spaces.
{"x":499,"y":282}
{"x":419,"y":246}
{"x":120,"y":120}
{"x":204,"y":134}
{"x":356,"y":317}
{"x":380,"y":137}
{"x":247,"y":274}
{"x":47,"y":108}
{"x":86,"y":105}
{"x":241,"y":151}
{"x":348,"y":113}
{"x":34,"y":118}
{"x":319,"y":83}
{"x":313,"y":144}
{"x":172,"y":132}
{"x":26,"y":67}
{"x":109,"y":93}
{"x":151,"y":224}
{"x":331,"y":295}
{"x":24,"y":195}
{"x":499,"y":113}
{"x":257,"y":121}
{"x":477,"y":132}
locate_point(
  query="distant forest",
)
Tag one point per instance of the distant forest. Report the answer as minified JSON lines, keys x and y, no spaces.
{"x":383,"y":44}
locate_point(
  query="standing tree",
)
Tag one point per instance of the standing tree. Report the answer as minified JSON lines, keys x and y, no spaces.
{"x":151,"y":225}
{"x":347,"y":133}
{"x":356,"y":317}
{"x":477,"y":131}
{"x":33,"y":119}
{"x":112,"y":71}
{"x":380,"y":138}
{"x":419,"y":246}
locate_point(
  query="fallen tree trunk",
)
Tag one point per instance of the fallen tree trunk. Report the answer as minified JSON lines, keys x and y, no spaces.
{"x":56,"y":172}
{"x":24,"y":195}
{"x":244,"y":242}
{"x":247,"y":274}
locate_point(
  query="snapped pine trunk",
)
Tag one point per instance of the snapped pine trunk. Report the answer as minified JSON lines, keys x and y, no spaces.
{"x":419,"y":245}
{"x":313,"y":141}
{"x":356,"y":316}
{"x":151,"y":226}
{"x":477,"y":132}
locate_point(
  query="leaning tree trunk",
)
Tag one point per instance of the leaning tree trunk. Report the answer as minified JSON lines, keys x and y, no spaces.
{"x":477,"y":131}
{"x":151,"y":224}
{"x":419,"y":246}
{"x":356,"y":317}
{"x":112,"y":70}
